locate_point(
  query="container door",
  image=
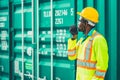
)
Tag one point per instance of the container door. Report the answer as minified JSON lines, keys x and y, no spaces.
{"x":54,"y":33}
{"x":23,"y":40}
{"x":4,"y":40}
{"x":44,"y":42}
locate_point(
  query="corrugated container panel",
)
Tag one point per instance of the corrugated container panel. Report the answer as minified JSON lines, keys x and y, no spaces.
{"x":118,"y":40}
{"x":63,"y":11}
{"x":112,"y":35}
{"x":22,"y":40}
{"x":4,"y":40}
{"x":4,"y":3}
{"x":29,"y":57}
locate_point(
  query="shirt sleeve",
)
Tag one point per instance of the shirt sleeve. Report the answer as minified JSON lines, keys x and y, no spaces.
{"x":101,"y":53}
{"x":72,"y":49}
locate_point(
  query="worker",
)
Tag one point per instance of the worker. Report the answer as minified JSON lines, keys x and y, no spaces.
{"x":91,"y":50}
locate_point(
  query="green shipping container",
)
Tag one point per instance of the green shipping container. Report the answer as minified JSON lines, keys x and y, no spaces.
{"x":34,"y":34}
{"x":4,"y":40}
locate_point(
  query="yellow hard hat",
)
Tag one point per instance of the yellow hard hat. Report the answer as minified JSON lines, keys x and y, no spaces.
{"x":89,"y":13}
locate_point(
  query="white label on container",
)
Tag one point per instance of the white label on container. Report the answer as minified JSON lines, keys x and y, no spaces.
{"x":25,"y":10}
{"x":29,"y":51}
{"x":3,"y":18}
{"x":44,"y":78}
{"x":16,"y":66}
{"x":72,"y":11}
{"x":30,"y":33}
{"x":43,"y":39}
{"x":57,"y":78}
{"x":4,"y":45}
{"x":46,"y":13}
{"x":2,"y":24}
{"x":3,"y":33}
{"x":3,"y":38}
{"x":49,"y":32}
{"x":43,"y":32}
{"x":43,"y":46}
{"x":61,"y":12}
{"x":59,"y":21}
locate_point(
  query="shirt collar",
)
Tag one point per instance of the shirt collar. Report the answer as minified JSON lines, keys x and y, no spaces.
{"x":89,"y":33}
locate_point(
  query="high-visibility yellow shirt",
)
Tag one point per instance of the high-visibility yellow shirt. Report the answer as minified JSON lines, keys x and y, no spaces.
{"x":91,"y":54}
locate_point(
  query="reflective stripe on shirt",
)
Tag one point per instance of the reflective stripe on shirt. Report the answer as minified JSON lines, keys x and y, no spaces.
{"x":86,"y":64}
{"x":100,"y":74}
{"x":88,"y":49}
{"x":72,"y":52}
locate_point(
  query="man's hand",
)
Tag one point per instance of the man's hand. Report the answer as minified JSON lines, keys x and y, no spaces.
{"x":73,"y":30}
{"x":74,"y":36}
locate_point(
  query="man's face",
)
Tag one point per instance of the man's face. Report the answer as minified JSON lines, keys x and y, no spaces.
{"x":82,"y":25}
